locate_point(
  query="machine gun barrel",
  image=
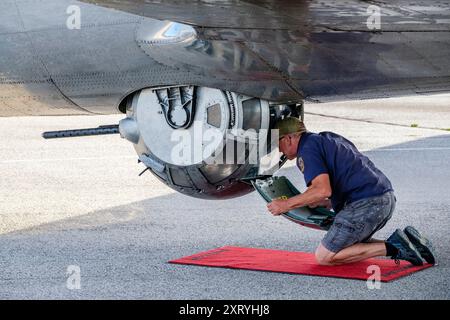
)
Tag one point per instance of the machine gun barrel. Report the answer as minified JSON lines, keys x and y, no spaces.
{"x":101,"y":130}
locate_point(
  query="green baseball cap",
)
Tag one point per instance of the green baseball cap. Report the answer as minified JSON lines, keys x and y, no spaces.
{"x":289,"y":125}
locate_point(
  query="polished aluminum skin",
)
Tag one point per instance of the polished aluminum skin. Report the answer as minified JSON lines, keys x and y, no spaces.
{"x":275,"y":50}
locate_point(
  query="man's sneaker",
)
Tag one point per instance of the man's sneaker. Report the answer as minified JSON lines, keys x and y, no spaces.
{"x":422,"y":244}
{"x":406,"y":250}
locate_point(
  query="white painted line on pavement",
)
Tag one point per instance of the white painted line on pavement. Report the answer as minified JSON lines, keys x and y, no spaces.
{"x":66,"y":159}
{"x":407,"y":149}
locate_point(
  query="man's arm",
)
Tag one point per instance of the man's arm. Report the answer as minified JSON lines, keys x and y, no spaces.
{"x":319,"y":190}
{"x":323,"y":203}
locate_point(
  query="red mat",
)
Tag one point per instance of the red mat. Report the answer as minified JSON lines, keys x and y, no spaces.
{"x":295,"y":262}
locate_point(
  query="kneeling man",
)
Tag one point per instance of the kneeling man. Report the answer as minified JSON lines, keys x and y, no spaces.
{"x":339,"y":176}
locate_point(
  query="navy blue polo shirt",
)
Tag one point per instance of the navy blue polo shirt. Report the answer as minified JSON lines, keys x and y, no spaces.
{"x":352,"y":175}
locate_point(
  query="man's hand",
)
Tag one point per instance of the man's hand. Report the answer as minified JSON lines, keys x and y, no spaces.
{"x":319,"y":190}
{"x":278,"y":206}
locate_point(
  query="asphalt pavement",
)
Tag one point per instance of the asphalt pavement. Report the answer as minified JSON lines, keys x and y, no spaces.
{"x":78,"y":204}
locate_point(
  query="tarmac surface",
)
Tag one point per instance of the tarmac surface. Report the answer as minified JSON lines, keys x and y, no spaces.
{"x":79,"y":202}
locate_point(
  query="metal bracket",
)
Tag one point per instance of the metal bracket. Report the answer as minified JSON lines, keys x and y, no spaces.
{"x":185,"y":97}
